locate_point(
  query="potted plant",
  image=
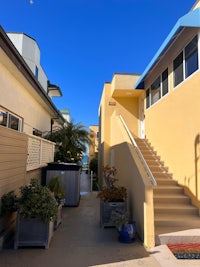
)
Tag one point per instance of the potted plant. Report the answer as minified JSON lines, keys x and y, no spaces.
{"x":8,"y":214}
{"x":37,"y":209}
{"x":55,"y":186}
{"x":112,"y":197}
{"x":126,"y":230}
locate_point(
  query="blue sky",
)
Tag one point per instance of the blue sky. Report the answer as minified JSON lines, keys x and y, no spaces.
{"x":84,"y":42}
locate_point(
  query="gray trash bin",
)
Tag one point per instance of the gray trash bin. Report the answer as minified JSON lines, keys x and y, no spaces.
{"x":69,"y":176}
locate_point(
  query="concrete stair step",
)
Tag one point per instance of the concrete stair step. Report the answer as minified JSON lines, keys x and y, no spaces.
{"x":177,"y":220}
{"x":162,"y":175}
{"x":171,"y":199}
{"x":171,"y":209}
{"x":166,"y":182}
{"x":158,"y":168}
{"x":150,"y":157}
{"x":171,"y":190}
{"x":177,"y":235}
{"x":155,"y":162}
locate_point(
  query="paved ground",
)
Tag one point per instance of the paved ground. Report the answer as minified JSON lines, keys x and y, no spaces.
{"x":81,"y":242}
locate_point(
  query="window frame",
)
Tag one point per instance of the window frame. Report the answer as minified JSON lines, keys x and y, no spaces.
{"x":185,"y":60}
{"x":10,"y":117}
{"x":157,"y":84}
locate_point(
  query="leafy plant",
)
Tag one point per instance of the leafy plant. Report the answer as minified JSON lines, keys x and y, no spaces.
{"x":37,"y":200}
{"x":111,"y":192}
{"x":93,"y":165}
{"x":71,"y":140}
{"x":34,"y":200}
{"x":119,"y":219}
{"x":55,"y":187}
{"x":8,"y":203}
{"x":117,"y":193}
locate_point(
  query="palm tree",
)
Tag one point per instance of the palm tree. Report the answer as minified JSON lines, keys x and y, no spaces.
{"x":71,"y":141}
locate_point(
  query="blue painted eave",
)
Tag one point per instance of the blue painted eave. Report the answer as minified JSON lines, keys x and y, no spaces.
{"x":191,"y":19}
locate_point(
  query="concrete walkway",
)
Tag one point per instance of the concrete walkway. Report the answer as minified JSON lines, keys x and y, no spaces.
{"x":80,"y":242}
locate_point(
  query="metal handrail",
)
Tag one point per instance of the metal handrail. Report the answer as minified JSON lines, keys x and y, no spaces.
{"x":139,"y":152}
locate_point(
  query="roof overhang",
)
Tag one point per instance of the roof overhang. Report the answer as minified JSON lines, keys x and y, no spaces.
{"x":192,"y":19}
{"x":53,"y":90}
{"x":17,"y":65}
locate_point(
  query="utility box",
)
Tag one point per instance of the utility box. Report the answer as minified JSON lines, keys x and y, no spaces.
{"x":69,"y":176}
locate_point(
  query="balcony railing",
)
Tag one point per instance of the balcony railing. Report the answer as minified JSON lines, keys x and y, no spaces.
{"x":40,"y":152}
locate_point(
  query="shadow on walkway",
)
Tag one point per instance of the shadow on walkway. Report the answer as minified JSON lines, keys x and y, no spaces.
{"x":79,"y":241}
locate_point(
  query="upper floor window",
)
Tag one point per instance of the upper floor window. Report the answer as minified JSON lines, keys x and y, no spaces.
{"x":155,"y":91}
{"x":158,"y":89}
{"x":191,"y":57}
{"x":186,"y":62}
{"x":9,"y":120}
{"x":36,"y":72}
{"x":178,"y":69}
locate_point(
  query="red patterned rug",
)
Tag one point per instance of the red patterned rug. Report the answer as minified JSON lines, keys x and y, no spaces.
{"x":185,"y":251}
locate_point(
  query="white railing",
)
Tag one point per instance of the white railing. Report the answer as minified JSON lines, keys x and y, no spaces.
{"x":139,"y":152}
{"x":40,"y":152}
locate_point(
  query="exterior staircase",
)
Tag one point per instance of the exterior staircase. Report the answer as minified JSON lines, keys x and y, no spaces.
{"x":174,"y":215}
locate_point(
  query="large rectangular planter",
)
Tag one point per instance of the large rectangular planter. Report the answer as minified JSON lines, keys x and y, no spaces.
{"x":106,"y":209}
{"x":33,"y":232}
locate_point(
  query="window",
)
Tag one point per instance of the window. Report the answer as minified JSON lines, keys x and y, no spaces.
{"x":155,"y":91}
{"x":147,"y":98}
{"x":9,"y":120}
{"x":178,"y":69}
{"x":14,"y":122}
{"x":165,"y":82}
{"x":158,"y":89}
{"x":36,"y":72}
{"x":3,"y":118}
{"x":186,"y":62}
{"x":191,"y":57}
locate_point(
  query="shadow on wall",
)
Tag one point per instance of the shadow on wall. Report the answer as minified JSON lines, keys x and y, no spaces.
{"x":194,"y":178}
{"x":197,"y":163}
{"x":131,"y":174}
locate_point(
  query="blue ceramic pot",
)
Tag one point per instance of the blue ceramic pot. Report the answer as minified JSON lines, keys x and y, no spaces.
{"x":127,"y":233}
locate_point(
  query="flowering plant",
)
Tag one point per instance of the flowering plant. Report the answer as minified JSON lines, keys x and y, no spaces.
{"x":111,"y":192}
{"x":109,"y":176}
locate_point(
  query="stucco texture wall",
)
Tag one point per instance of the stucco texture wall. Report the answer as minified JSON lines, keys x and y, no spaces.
{"x":173,"y":128}
{"x":24,"y":103}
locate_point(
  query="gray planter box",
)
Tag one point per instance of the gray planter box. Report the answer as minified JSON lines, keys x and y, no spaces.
{"x":106,"y":209}
{"x":33,"y":232}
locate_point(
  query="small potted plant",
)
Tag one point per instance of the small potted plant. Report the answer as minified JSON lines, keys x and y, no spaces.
{"x":55,"y":186}
{"x":112,"y":197}
{"x":37,"y":210}
{"x":126,"y":230}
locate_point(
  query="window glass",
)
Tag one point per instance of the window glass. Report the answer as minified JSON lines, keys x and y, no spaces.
{"x":3,"y":118}
{"x":191,"y":57}
{"x":155,"y":91}
{"x":147,"y":98}
{"x":178,"y":69}
{"x":165,"y":82}
{"x":36,"y":72}
{"x":14,"y":122}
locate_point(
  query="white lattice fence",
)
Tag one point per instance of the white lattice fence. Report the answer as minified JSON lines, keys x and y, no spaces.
{"x":40,"y":152}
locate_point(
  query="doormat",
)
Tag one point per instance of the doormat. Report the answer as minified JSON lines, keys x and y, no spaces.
{"x":189,"y":251}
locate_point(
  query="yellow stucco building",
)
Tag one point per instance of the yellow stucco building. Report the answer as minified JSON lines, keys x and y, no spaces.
{"x":149,"y":130}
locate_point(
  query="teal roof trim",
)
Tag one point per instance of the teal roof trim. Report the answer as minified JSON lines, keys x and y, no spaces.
{"x":192,"y":19}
